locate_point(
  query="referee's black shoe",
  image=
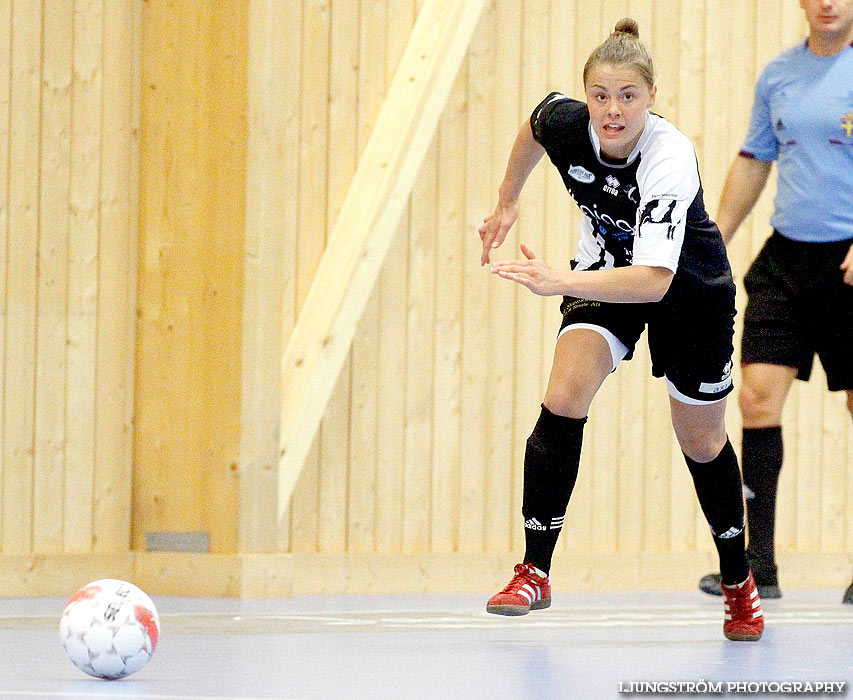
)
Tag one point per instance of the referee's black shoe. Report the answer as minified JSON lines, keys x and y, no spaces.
{"x":766,"y":580}
{"x":848,"y":595}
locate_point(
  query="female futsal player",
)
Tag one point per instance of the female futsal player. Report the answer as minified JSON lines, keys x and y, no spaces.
{"x":648,"y":256}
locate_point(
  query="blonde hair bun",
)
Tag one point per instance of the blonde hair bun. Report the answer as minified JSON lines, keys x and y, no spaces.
{"x":627,"y":25}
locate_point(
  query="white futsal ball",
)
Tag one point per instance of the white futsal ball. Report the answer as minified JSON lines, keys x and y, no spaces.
{"x":109,"y":629}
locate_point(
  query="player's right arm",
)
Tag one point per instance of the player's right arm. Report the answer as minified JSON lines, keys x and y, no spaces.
{"x":744,"y":183}
{"x":526,"y":153}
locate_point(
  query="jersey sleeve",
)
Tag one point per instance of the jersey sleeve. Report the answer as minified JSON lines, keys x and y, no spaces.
{"x":553,"y":119}
{"x":668,"y":184}
{"x":761,"y":142}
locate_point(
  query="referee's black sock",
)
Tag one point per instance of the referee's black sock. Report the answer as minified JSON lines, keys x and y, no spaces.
{"x":762,"y":461}
{"x":720,"y":493}
{"x":550,"y":471}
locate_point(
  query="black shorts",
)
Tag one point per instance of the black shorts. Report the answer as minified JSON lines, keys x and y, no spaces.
{"x":798,"y":305}
{"x":690,"y":335}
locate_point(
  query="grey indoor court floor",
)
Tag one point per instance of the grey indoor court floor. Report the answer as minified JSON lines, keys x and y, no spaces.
{"x":436,"y":648}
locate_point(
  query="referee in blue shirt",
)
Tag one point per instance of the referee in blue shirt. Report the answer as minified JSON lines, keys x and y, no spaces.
{"x":800,"y":286}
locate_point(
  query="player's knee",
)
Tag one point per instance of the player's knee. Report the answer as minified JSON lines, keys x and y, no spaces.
{"x":702,"y":451}
{"x":566,"y":407}
{"x":571,"y":401}
{"x":701,"y":445}
{"x":758,"y":405}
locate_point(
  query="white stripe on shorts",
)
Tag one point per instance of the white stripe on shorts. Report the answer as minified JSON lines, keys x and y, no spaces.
{"x":678,"y":396}
{"x":618,"y":349}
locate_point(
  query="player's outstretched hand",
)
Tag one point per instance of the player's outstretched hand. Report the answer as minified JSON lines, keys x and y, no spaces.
{"x":533,"y":273}
{"x":847,"y":266}
{"x":495,"y":227}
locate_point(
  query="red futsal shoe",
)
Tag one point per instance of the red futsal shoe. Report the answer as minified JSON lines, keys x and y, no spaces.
{"x":744,"y":620}
{"x":525,"y":592}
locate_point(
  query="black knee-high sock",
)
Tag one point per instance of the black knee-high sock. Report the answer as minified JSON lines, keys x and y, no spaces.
{"x":720,"y":492}
{"x":762,"y":461}
{"x":550,"y":471}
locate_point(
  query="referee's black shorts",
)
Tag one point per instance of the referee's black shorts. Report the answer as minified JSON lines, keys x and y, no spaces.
{"x":799,"y":306}
{"x":690,"y":335}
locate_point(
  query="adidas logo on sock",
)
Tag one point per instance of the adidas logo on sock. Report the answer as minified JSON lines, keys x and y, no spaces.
{"x":534,"y":524}
{"x":557,"y":523}
{"x":728,"y":534}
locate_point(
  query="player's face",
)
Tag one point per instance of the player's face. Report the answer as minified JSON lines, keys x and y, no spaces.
{"x":618,"y":99}
{"x":829,"y":18}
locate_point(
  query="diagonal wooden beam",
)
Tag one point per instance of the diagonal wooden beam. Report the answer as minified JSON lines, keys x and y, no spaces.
{"x":370,"y":213}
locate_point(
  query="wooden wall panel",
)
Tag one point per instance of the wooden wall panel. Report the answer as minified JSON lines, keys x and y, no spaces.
{"x":361,"y":479}
{"x":392,"y":288}
{"x":21,"y":280}
{"x":341,"y":164}
{"x":68,"y":196}
{"x":192,"y":217}
{"x":447,"y":392}
{"x":311,"y":226}
{"x":82,"y":324}
{"x":117,"y":255}
{"x":270,"y":256}
{"x":5,"y":217}
{"x":475,"y":472}
{"x":502,"y":487}
{"x":52,"y":276}
{"x":252,"y":116}
{"x":463,"y":369}
{"x":420,"y":348}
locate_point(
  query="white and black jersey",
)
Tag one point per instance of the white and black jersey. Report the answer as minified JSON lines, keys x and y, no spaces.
{"x":645,"y":210}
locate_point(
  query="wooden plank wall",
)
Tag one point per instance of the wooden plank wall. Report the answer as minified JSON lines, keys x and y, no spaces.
{"x":69,"y":106}
{"x":251,"y":117}
{"x":421,"y":447}
{"x":192,"y":220}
